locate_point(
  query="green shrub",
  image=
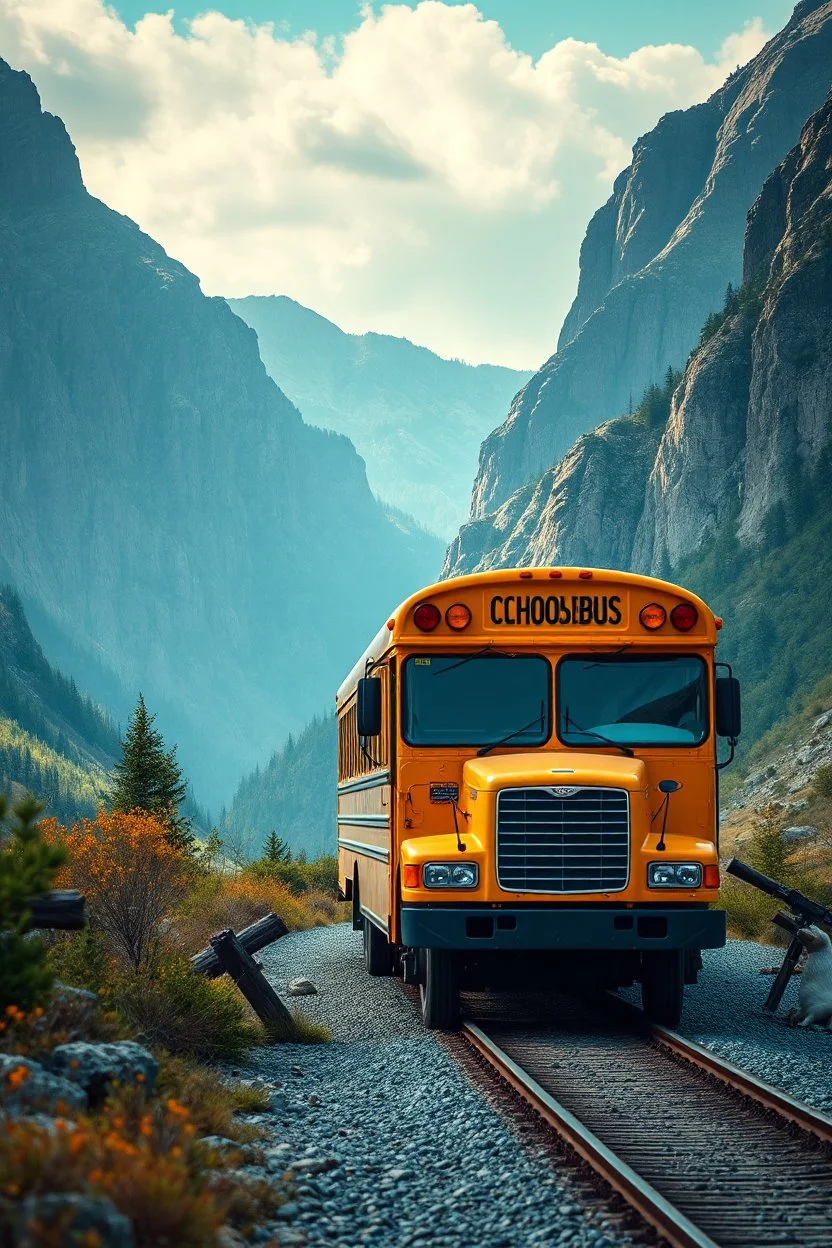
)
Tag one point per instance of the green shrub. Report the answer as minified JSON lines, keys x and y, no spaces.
{"x":768,"y":852}
{"x":81,"y":960}
{"x":822,"y":785}
{"x":174,"y":1009}
{"x":749,"y":912}
{"x":28,"y":866}
{"x":321,"y":875}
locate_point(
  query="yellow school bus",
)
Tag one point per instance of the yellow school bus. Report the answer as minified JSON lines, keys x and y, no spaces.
{"x":527,"y":784}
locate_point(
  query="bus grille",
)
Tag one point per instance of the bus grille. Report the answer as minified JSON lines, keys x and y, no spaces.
{"x":551,"y":844}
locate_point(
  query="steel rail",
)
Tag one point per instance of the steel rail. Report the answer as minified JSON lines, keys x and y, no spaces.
{"x":804,"y":1116}
{"x":678,"y":1230}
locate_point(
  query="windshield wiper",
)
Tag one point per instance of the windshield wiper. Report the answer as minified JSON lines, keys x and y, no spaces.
{"x":478,"y":654}
{"x":538,"y":719}
{"x":587,"y":732}
{"x":608,"y":654}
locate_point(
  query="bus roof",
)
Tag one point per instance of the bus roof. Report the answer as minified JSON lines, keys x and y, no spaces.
{"x":526,"y":589}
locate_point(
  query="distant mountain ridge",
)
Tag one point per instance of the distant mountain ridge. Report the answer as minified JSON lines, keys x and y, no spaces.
{"x":658,"y":255}
{"x":161,"y":500}
{"x":416,"y":418}
{"x":54,"y":741}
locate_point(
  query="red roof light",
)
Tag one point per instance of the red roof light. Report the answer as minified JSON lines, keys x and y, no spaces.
{"x":684,"y":617}
{"x":426,"y":617}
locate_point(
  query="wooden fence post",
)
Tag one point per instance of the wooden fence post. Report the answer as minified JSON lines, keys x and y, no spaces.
{"x":264,"y":932}
{"x":62,"y":910}
{"x":249,"y":978}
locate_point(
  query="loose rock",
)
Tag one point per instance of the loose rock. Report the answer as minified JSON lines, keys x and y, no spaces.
{"x":94,"y":1066}
{"x":802,"y":833}
{"x":37,"y":1089}
{"x":74,"y":1217}
{"x":301,"y":988}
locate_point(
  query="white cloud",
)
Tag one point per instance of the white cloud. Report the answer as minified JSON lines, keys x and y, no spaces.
{"x":423,"y":177}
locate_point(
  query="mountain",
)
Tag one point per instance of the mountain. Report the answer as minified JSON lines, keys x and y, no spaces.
{"x":53,"y":740}
{"x":162,"y":503}
{"x":293,"y":795}
{"x":731,"y":494}
{"x":416,"y":418}
{"x":658,"y":255}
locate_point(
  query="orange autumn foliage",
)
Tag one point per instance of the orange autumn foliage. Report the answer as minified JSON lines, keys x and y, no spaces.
{"x":141,"y":1154}
{"x":130,"y":873}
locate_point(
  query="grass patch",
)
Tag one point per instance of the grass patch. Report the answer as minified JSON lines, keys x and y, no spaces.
{"x":212,"y":1102}
{"x":302,"y":1030}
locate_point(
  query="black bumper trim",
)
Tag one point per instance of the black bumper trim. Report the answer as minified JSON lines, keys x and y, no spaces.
{"x":480,"y":927}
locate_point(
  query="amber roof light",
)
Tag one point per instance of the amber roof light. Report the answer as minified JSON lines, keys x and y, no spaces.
{"x":458,"y":617}
{"x":652,"y":616}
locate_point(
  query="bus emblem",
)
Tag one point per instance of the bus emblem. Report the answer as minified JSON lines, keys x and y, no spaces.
{"x":563,"y":790}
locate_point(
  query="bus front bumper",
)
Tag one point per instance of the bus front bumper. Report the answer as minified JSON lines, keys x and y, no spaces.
{"x":557,"y":927}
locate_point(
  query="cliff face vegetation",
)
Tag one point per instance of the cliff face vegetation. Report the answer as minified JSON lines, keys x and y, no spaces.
{"x":731,"y":495}
{"x":657,"y":257}
{"x":158,"y":493}
{"x":416,"y":418}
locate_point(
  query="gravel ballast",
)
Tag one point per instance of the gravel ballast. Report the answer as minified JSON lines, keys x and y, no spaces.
{"x":422,"y":1158}
{"x":393,"y":1145}
{"x":725,"y":1012}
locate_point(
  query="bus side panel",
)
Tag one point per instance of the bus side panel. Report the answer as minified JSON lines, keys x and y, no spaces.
{"x":364,"y":846}
{"x":364,"y":809}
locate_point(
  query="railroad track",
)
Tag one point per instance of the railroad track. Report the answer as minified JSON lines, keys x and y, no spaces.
{"x":704,"y":1152}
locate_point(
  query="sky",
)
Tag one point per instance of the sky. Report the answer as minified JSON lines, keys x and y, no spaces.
{"x":425,"y":169}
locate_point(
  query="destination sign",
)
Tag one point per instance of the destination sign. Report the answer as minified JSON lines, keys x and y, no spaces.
{"x":573,"y":610}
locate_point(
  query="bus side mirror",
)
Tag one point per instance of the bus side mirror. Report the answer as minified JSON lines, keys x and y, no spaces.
{"x":728,"y":712}
{"x":369,"y":707}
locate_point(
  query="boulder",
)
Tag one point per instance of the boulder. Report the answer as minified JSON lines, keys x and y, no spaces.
{"x":94,"y":1066}
{"x":802,"y":833}
{"x":37,"y":1089}
{"x":301,"y":988}
{"x":76,"y":1219}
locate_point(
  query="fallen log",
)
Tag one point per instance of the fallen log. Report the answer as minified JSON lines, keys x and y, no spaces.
{"x":264,"y":932}
{"x":62,"y":910}
{"x":249,"y":978}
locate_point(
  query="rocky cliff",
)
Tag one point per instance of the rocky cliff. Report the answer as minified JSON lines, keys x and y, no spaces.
{"x":161,"y":501}
{"x":657,"y":257}
{"x":417,"y":419}
{"x":749,"y":423}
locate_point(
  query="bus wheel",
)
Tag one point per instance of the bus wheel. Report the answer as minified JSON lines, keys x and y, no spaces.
{"x":663,"y":986}
{"x":439,"y":989}
{"x":378,"y":953}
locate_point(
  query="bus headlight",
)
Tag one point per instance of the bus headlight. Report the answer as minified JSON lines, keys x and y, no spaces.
{"x":674,"y":875}
{"x":450,"y":875}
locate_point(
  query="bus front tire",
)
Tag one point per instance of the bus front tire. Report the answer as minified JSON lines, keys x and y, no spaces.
{"x":378,"y":952}
{"x":439,"y":989}
{"x":663,"y":986}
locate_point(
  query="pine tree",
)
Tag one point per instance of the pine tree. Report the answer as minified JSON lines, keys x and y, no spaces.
{"x":276,"y":849}
{"x":150,"y":778}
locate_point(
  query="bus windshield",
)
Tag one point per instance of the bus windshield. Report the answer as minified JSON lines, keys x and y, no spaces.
{"x":639,"y":700}
{"x":475,"y":699}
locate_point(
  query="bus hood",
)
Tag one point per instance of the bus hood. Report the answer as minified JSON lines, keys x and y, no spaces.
{"x":561,"y":767}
